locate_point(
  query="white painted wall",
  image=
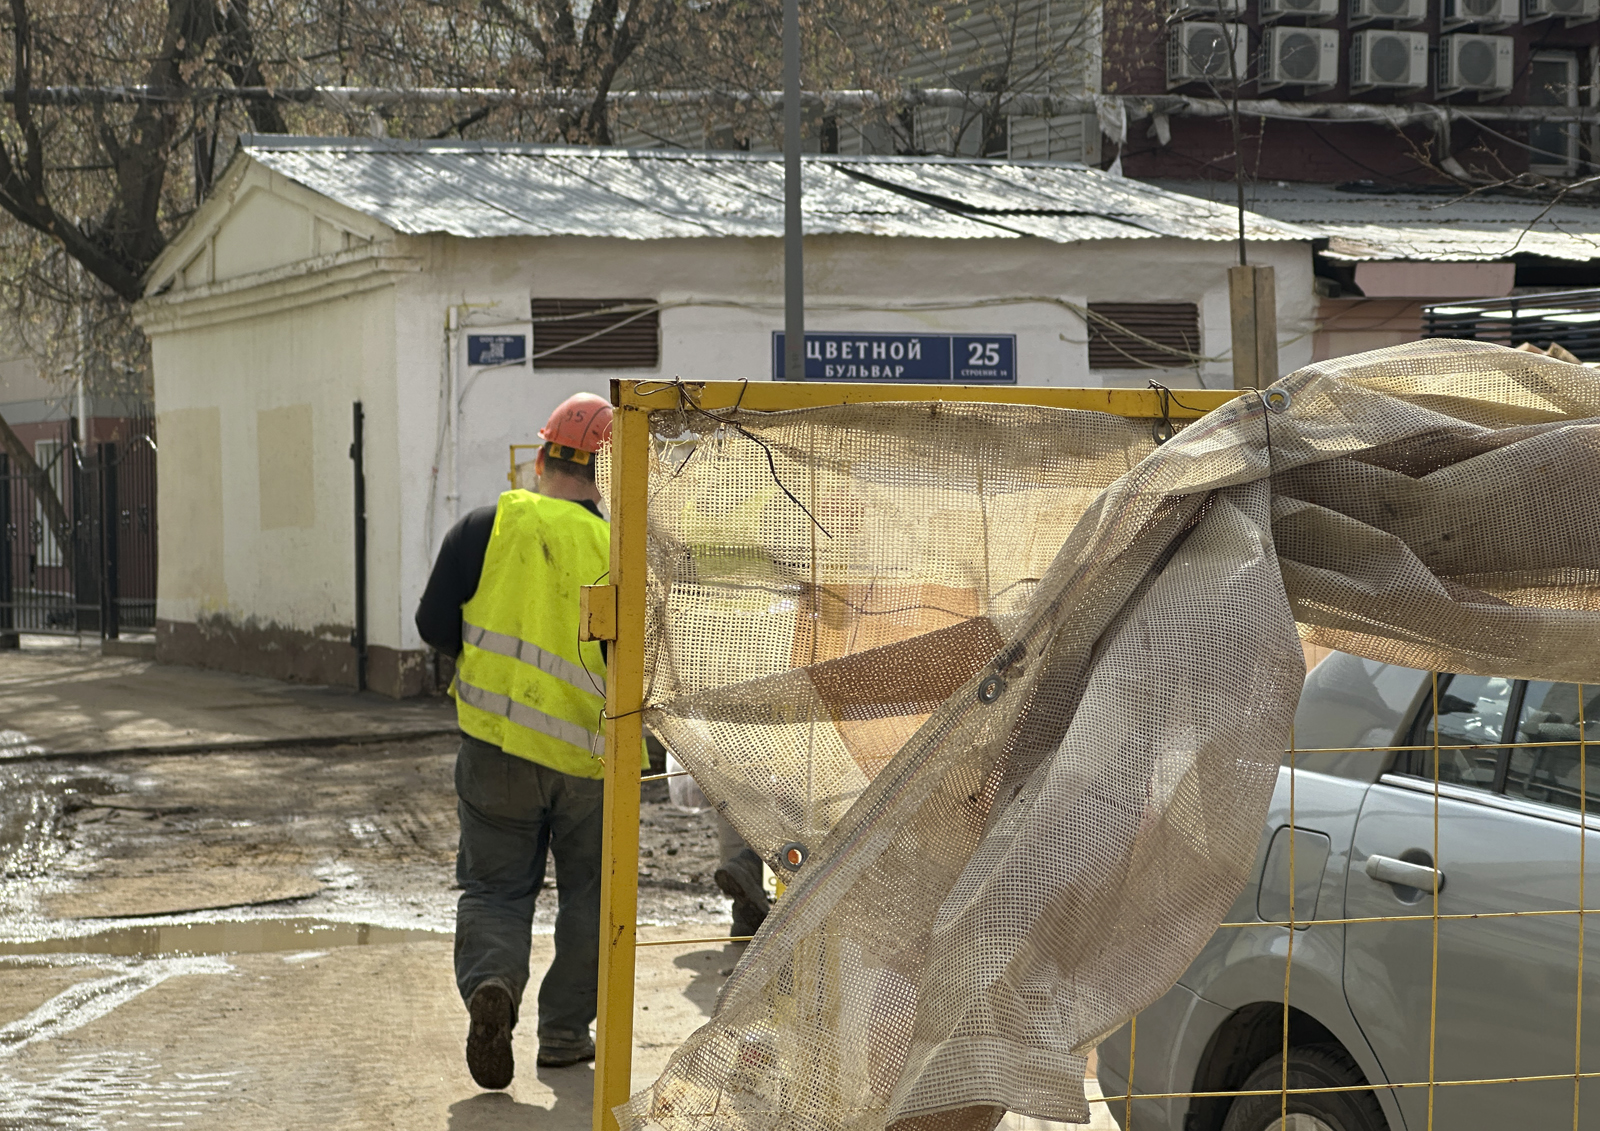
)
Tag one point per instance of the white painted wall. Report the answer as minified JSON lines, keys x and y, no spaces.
{"x":724,"y":300}
{"x":258,"y":347}
{"x":254,"y":417}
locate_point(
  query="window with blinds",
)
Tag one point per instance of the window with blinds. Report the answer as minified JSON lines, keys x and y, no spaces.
{"x":1143,"y":335}
{"x":596,"y":333}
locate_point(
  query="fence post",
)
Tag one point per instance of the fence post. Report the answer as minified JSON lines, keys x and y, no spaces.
{"x":1253,"y":308}
{"x":8,"y":636}
{"x":110,"y":622}
{"x":619,"y":874}
{"x":79,"y":475}
{"x":358,"y":638}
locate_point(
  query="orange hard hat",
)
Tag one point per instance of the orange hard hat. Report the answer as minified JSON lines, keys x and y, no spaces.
{"x":582,"y":422}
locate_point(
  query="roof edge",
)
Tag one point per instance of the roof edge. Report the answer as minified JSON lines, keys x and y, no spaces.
{"x":289,"y":143}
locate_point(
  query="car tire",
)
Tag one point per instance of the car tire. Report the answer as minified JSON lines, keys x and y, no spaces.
{"x":1310,"y":1066}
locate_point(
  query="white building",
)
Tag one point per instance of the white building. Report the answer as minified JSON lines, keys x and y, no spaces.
{"x":323,"y":272}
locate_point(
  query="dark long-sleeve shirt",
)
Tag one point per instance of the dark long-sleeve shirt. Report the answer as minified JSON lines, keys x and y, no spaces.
{"x":455,"y":576}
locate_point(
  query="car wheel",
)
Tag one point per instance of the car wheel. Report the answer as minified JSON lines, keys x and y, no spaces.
{"x":1311,"y":1066}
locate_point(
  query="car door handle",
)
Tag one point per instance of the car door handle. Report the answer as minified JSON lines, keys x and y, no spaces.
{"x":1388,"y":870}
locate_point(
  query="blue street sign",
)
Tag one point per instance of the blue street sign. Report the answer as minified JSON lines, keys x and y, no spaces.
{"x":962,"y":359}
{"x":496,"y":349}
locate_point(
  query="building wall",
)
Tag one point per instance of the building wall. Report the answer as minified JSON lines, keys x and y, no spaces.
{"x":256,"y":487}
{"x":256,"y":373}
{"x":723,"y":300}
{"x":1136,"y":43}
{"x":1355,"y":325}
{"x":1028,"y":47}
{"x":25,"y":396}
{"x":276,"y":314}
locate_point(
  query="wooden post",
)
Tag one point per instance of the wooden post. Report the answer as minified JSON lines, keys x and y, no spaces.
{"x":1253,"y":305}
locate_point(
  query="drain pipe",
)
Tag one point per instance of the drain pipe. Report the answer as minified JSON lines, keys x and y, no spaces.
{"x":358,"y":638}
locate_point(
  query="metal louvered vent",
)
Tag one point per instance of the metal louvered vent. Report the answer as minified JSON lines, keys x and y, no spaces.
{"x":596,"y":333}
{"x":1143,"y":335}
{"x":1389,"y":7}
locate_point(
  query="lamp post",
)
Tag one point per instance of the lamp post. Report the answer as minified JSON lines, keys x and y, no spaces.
{"x":794,"y":275}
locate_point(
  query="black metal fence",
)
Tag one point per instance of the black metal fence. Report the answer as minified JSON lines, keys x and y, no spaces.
{"x":99,"y":575}
{"x":1570,"y":319}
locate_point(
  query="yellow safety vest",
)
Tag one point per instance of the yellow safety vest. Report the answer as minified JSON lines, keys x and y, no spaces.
{"x":524,"y":683}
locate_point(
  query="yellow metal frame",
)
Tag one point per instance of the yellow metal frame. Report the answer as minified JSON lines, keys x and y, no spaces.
{"x":634,"y":400}
{"x":630,"y":467}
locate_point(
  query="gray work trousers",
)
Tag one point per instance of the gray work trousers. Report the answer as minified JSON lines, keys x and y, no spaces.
{"x":513,"y":812}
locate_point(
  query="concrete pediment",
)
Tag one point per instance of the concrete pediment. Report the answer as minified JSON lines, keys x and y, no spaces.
{"x":257,"y":221}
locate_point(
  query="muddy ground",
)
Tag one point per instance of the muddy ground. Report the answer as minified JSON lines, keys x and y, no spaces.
{"x":329,"y":1002}
{"x":322,"y":995}
{"x":343,"y":831}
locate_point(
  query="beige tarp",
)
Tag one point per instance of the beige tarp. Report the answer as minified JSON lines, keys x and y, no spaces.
{"x":1018,"y":682}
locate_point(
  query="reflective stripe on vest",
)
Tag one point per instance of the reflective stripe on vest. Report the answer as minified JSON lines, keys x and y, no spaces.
{"x":524,"y":682}
{"x":530,"y":653}
{"x":523,"y":715}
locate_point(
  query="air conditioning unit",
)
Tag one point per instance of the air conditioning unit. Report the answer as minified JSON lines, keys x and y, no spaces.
{"x":1390,"y":60}
{"x":1484,"y":13}
{"x":1198,"y":52}
{"x":1319,"y":11}
{"x":1475,"y":62}
{"x":1574,"y":11}
{"x":1299,"y":56}
{"x":1395,"y":12}
{"x":1226,"y":9}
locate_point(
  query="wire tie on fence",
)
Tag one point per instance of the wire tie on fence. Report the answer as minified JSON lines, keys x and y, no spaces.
{"x":1163,"y":429}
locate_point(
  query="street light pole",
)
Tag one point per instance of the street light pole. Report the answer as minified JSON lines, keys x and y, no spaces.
{"x":794,"y":275}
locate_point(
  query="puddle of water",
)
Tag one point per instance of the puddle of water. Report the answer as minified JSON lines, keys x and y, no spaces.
{"x":247,"y":936}
{"x":16,"y":744}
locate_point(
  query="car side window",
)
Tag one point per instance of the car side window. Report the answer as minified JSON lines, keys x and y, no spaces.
{"x":1472,"y":713}
{"x":1552,"y":773}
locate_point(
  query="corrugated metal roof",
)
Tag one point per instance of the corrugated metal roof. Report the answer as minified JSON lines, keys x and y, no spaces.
{"x":475,"y":189}
{"x":1370,"y":225}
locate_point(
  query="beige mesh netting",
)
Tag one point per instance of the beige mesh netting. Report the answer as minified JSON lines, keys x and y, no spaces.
{"x":1018,"y":682}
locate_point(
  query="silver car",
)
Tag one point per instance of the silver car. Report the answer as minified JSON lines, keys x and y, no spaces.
{"x":1509,"y":840}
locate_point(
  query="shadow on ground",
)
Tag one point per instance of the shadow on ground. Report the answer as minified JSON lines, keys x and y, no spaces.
{"x":710,"y":969}
{"x":571,"y":1088}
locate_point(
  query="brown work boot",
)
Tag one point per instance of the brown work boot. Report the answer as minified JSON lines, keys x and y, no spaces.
{"x":489,"y":1038}
{"x":553,"y":1055}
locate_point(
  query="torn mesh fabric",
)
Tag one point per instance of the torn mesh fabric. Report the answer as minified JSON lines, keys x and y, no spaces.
{"x":1020,"y":681}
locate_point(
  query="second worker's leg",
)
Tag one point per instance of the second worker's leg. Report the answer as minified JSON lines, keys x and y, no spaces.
{"x":740,"y":878}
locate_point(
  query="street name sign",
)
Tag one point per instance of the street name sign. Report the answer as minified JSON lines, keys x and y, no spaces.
{"x":963,"y":359}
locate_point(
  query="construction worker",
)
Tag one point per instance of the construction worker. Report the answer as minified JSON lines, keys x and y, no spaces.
{"x":503,"y":599}
{"x":740,"y":878}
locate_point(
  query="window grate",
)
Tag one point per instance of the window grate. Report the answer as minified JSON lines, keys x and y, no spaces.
{"x":596,"y":333}
{"x":1143,"y":335}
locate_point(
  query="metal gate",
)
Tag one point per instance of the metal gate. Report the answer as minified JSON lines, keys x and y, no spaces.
{"x":101,"y":577}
